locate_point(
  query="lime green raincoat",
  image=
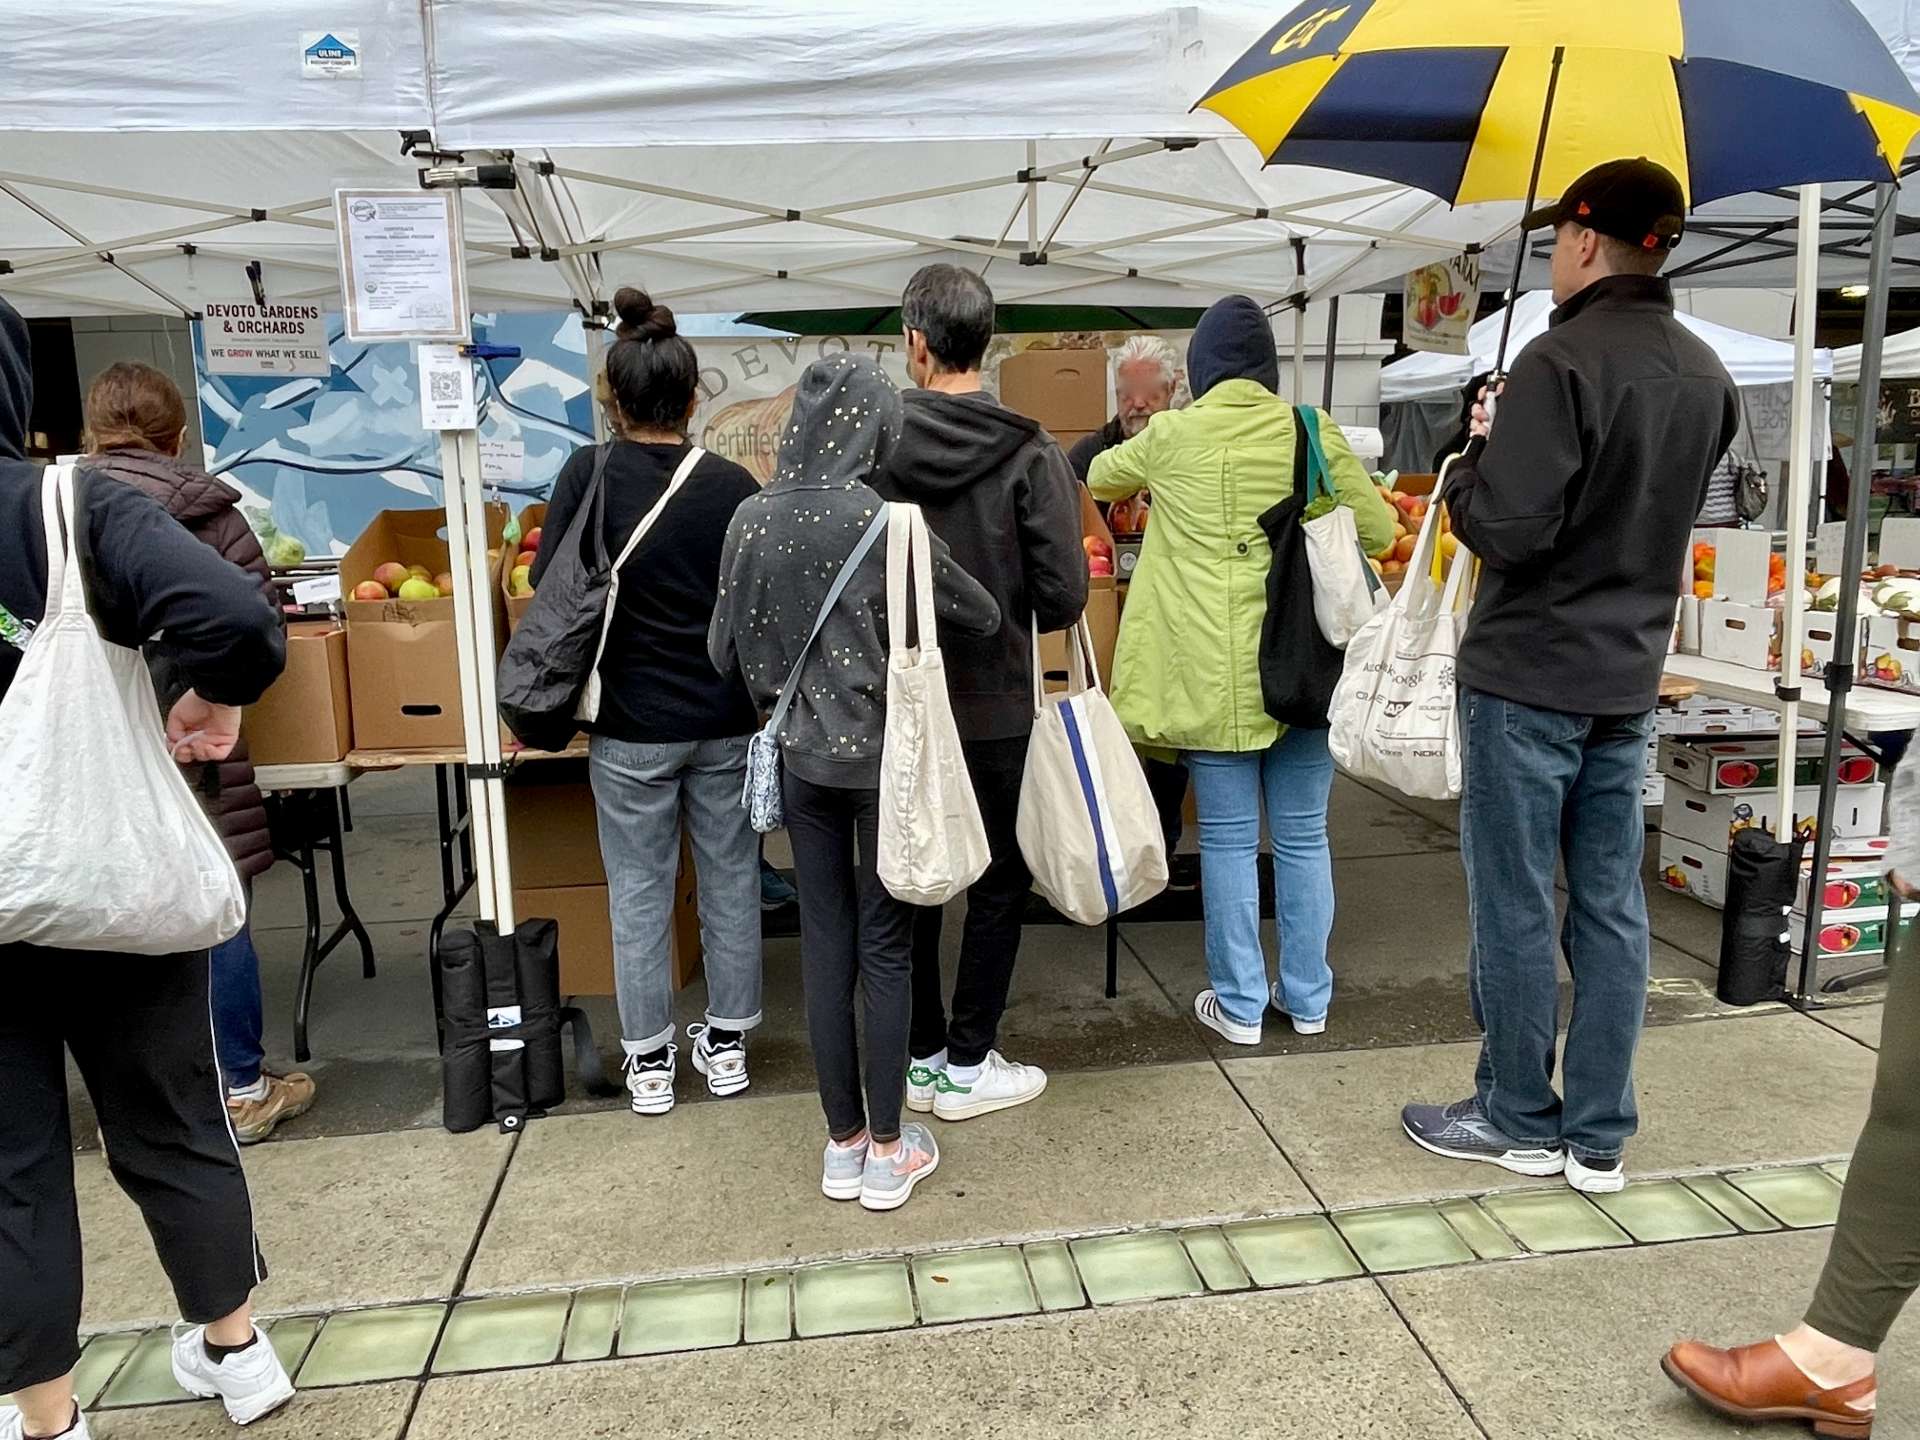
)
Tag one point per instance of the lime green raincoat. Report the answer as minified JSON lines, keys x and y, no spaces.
{"x":1186,"y":675}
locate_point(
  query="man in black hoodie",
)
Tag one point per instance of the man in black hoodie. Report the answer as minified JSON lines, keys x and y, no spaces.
{"x":137,"y":1030}
{"x":998,"y":490}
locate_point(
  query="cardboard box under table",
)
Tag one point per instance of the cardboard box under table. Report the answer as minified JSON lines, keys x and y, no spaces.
{"x":1712,"y":820}
{"x":1719,"y":767}
{"x":305,"y":717}
{"x":1689,"y":867}
{"x":402,"y":663}
{"x":553,"y":844}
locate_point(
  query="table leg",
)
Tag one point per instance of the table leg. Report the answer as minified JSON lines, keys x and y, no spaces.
{"x":1113,"y":959}
{"x":298,"y":805}
{"x":313,"y":819}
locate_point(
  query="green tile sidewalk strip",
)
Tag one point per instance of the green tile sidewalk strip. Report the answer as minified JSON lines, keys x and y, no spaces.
{"x":1549,"y":1222}
{"x":1731,"y":1203}
{"x":147,"y":1377}
{"x":502,"y":1334}
{"x":1214,"y":1259}
{"x":362,"y":1345}
{"x":1299,"y":1250}
{"x":1151,"y":1265}
{"x":1839,"y":1170}
{"x":292,"y":1336}
{"x":1055,"y":1281}
{"x":592,"y":1324}
{"x":1481,"y":1232}
{"x":1654,"y":1211}
{"x":973,"y":1285}
{"x":1802,"y":1196}
{"x":849,"y":1299}
{"x":98,"y":1364}
{"x":681,"y":1315}
{"x":1402,"y":1237}
{"x":769,"y":1307}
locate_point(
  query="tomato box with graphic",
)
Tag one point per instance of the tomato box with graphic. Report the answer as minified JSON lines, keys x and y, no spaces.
{"x":1721,"y":766}
{"x":1854,"y":934}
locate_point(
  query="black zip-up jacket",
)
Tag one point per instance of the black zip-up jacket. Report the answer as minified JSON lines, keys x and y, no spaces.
{"x":1581,"y":501}
{"x":150,"y":583}
{"x":998,"y":490}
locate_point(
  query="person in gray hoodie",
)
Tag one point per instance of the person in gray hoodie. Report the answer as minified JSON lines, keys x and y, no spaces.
{"x":783,"y":553}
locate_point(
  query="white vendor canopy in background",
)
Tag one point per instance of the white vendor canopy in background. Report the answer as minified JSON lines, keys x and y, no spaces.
{"x":1899,"y":359}
{"x":1752,"y":360}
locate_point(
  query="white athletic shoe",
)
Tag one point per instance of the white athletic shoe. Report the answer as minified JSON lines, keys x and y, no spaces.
{"x":251,"y":1383}
{"x":1592,"y":1180}
{"x":12,"y":1427}
{"x":725,"y":1066}
{"x":923,"y":1081}
{"x":1000,"y":1085}
{"x":651,"y":1086}
{"x":1206,"y":1009}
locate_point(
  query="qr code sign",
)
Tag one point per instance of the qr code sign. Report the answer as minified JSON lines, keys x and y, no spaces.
{"x":443,"y":387}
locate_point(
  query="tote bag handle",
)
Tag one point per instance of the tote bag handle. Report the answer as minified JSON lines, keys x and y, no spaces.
{"x":908,"y":540}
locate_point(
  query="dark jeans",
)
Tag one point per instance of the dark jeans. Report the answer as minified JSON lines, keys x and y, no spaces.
{"x":996,"y":904}
{"x":1544,"y":786}
{"x":850,"y":928}
{"x":1873,"y":1266}
{"x":1167,"y":779}
{"x":137,"y":1029}
{"x":238,"y":1021}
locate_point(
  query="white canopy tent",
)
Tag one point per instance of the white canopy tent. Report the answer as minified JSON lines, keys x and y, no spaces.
{"x":1899,"y":359}
{"x":1752,"y":360}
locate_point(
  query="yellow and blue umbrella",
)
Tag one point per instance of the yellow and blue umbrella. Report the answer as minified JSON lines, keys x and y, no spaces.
{"x":1476,"y":100}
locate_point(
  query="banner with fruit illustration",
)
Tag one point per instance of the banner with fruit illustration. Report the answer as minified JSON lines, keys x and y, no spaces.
{"x":1440,"y":304}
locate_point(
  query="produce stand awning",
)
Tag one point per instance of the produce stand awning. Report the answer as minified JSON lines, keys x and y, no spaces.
{"x":1751,"y":360}
{"x":1899,"y":359}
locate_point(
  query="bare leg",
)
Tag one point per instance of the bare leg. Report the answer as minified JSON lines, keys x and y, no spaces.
{"x":47,"y":1408}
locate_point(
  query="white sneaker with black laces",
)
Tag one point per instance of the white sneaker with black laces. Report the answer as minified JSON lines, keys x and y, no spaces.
{"x":13,"y":1427}
{"x":250,"y":1383}
{"x":724,"y":1065}
{"x":650,"y":1082}
{"x":1596,"y":1177}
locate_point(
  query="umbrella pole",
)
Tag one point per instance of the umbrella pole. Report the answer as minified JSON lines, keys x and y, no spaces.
{"x":1533,"y":198}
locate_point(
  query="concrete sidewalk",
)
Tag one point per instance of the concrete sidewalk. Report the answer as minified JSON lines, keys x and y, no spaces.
{"x":1181,"y":1236}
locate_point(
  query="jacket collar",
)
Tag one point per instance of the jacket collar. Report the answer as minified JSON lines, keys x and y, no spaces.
{"x":1236,"y":392}
{"x":1618,"y":292}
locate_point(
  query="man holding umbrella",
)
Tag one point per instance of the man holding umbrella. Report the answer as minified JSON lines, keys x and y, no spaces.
{"x":1578,"y":504}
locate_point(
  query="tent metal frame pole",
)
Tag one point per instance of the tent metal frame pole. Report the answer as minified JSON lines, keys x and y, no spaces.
{"x":1854,"y":559}
{"x":1333,"y":349}
{"x":1299,"y":316}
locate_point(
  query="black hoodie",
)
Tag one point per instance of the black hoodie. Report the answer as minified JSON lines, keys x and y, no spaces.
{"x":149,"y":576}
{"x":996,"y":488}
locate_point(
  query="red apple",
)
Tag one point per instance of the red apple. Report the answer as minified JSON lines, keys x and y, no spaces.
{"x":1099,"y":565}
{"x":526,"y":557}
{"x":391,"y":575}
{"x":444,"y":584}
{"x":531,"y":540}
{"x":370,"y":590}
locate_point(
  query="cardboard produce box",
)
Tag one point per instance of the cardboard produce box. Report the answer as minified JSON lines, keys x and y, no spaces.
{"x":1103,"y":620}
{"x":1065,"y":390}
{"x":402,"y":664}
{"x":1856,"y":879}
{"x":1750,"y":635}
{"x":1712,"y":820}
{"x":586,"y":933}
{"x":1720,"y":767}
{"x":1687,"y":867}
{"x":1704,"y":715}
{"x":1854,"y":934}
{"x":305,"y":718}
{"x":1890,"y":659}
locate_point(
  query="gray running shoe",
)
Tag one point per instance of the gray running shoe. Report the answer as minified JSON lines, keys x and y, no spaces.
{"x":846,"y":1168}
{"x":890,"y":1179}
{"x":1461,"y":1132}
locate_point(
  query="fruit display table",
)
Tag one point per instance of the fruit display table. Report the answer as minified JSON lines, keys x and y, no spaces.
{"x":1868,"y":710}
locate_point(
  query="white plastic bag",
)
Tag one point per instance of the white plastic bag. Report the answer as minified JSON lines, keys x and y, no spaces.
{"x":1394,"y":716}
{"x":1346,"y":592}
{"x":1088,"y":827}
{"x":933,"y":843}
{"x":105,"y":846}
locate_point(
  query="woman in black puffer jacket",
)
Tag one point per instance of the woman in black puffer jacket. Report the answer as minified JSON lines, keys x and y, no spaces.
{"x":137,"y":426}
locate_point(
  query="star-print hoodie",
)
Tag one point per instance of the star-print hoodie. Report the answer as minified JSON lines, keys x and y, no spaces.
{"x":784,"y":549}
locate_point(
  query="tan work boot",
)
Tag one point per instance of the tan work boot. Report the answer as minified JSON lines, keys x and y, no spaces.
{"x":287,"y":1096}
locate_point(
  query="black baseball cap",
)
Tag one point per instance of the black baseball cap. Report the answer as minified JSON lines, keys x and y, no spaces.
{"x":1638,"y":201}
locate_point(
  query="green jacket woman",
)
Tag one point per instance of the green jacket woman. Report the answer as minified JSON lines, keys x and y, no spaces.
{"x":1186,"y":676}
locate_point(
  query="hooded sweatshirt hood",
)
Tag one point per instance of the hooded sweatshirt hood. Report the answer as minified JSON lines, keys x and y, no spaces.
{"x":16,"y":383}
{"x":1232,"y":342}
{"x":844,"y":424}
{"x":953,"y":442}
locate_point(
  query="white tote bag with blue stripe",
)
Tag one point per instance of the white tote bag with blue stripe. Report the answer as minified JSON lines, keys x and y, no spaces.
{"x":1088,"y":827}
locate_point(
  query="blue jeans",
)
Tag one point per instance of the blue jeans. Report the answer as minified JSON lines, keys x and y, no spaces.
{"x":1295,"y":776}
{"x":640,"y":792}
{"x":1544,"y":787}
{"x":238,"y":1022}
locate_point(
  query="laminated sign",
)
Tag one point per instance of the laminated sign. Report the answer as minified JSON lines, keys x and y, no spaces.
{"x":1440,"y":303}
{"x":287,"y":338}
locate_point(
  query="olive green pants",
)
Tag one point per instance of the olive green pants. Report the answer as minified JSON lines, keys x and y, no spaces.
{"x":1873,"y":1267}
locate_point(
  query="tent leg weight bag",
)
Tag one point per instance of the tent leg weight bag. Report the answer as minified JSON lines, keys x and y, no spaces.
{"x":1754,"y":945}
{"x":500,"y":1010}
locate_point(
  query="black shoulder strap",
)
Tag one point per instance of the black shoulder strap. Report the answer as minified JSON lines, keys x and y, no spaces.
{"x":1300,"y":448}
{"x":597,"y":504}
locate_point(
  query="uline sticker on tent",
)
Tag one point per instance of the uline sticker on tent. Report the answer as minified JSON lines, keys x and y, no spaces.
{"x":329,"y":54}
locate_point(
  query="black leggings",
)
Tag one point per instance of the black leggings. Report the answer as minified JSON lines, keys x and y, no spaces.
{"x":851,"y":928}
{"x":140,"y":1032}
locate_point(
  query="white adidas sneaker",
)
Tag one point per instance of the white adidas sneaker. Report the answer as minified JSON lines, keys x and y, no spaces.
{"x":725,"y":1066}
{"x":250,"y":1383}
{"x":651,"y":1086}
{"x":1000,"y":1085}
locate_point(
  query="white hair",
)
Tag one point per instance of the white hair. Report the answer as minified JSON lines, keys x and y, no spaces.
{"x":1153,"y":350}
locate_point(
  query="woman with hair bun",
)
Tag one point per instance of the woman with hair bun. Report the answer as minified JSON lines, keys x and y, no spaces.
{"x":671,"y":737}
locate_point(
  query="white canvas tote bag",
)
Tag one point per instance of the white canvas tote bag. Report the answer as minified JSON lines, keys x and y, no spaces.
{"x":1346,"y":592}
{"x":105,"y":845}
{"x":1088,"y":827}
{"x":1394,"y":716}
{"x":933,"y":843}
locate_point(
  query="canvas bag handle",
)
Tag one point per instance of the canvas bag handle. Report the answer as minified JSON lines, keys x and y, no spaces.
{"x":1083,"y":668}
{"x":909,"y":542}
{"x":66,"y":585}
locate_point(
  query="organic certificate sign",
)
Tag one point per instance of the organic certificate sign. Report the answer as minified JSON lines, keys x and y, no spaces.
{"x":400,"y":265}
